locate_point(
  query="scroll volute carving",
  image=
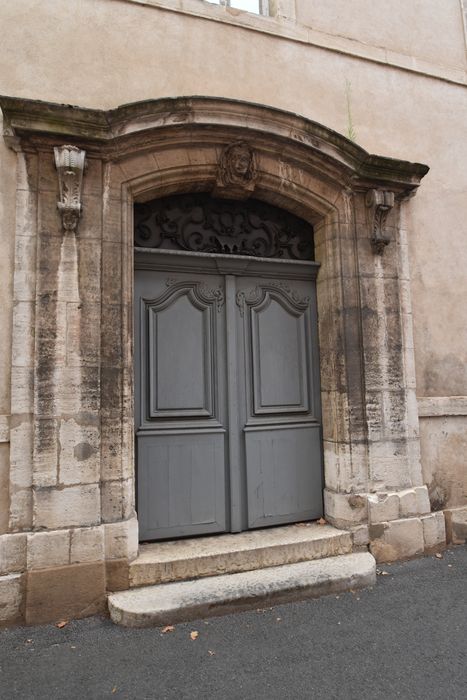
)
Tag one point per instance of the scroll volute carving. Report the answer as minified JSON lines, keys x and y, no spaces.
{"x":70,"y":162}
{"x":202,"y":224}
{"x":237,"y":172}
{"x":379,"y":203}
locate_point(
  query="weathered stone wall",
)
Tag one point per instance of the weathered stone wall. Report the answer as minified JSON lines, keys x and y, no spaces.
{"x":392,"y":91}
{"x":112,"y":52}
{"x":7,"y":242}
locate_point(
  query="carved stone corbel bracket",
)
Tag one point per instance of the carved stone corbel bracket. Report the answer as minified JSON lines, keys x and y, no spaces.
{"x":70,"y":161}
{"x":237,"y":172}
{"x":379,"y":203}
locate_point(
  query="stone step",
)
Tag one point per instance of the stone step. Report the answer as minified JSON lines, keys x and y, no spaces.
{"x":225,"y":554}
{"x":170,"y":603}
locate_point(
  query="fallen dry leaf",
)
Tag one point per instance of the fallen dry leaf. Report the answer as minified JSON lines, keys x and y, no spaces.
{"x":62,"y":623}
{"x":211,"y":653}
{"x":194,"y":635}
{"x":439,"y":555}
{"x":114,"y":689}
{"x":167,"y":628}
{"x":322,"y":521}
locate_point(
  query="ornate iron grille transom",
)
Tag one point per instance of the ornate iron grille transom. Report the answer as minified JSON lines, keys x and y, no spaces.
{"x":200,"y":223}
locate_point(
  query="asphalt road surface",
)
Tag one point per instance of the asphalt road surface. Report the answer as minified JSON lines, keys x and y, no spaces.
{"x":405,"y":638}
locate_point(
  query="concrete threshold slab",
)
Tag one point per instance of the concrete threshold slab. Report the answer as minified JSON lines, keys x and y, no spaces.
{"x":218,"y":595}
{"x":223,"y":554}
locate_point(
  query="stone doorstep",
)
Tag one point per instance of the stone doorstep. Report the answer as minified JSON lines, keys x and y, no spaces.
{"x":181,"y":560}
{"x":219,"y":595}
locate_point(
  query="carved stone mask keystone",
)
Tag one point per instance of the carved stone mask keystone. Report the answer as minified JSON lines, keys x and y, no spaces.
{"x":237,"y":171}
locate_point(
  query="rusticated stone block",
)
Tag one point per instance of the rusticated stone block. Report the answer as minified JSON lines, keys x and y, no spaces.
{"x":459,"y":528}
{"x":25,"y":261}
{"x":75,"y":506}
{"x":128,"y":497}
{"x":45,"y":452}
{"x":118,"y":574}
{"x":361,"y":536}
{"x":345,"y":510}
{"x":66,"y":592}
{"x":79,"y":453}
{"x":23,"y":333}
{"x":22,"y":380}
{"x":82,"y":334}
{"x":79,"y":390}
{"x":121,"y":540}
{"x":111,"y":451}
{"x":423,"y":500}
{"x":408,"y":503}
{"x":112,"y":348}
{"x":388,"y":465}
{"x":398,"y":539}
{"x":383,"y":507}
{"x":456,"y":525}
{"x":46,"y":549}
{"x":11,"y":598}
{"x":4,"y":486}
{"x":90,"y":225}
{"x":87,"y":544}
{"x":434,"y":532}
{"x":12,"y":553}
{"x":111,"y":500}
{"x":111,"y":273}
{"x":89,"y":271}
{"x":21,"y":508}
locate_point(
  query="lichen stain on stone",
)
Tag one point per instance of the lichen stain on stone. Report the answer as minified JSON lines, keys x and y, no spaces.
{"x":376,"y":531}
{"x":356,"y":501}
{"x":438,"y":495}
{"x":83,"y":450}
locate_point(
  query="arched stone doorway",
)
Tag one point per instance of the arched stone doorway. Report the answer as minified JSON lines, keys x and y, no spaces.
{"x":74,"y":385}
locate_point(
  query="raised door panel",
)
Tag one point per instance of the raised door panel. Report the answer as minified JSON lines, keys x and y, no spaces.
{"x":181,"y":485}
{"x":180,"y":359}
{"x":283,"y":475}
{"x":279,"y":359}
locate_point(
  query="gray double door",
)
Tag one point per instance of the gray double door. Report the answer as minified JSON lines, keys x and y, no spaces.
{"x":227,"y":393}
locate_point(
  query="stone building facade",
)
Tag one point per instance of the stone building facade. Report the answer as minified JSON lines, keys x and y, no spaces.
{"x":104,"y":109}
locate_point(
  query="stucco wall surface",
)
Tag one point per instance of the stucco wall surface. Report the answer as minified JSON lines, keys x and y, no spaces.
{"x":102,"y":53}
{"x":427,"y":29}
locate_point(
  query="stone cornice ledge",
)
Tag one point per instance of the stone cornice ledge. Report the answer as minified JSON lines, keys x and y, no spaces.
{"x":438,"y":406}
{"x":108,"y":131}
